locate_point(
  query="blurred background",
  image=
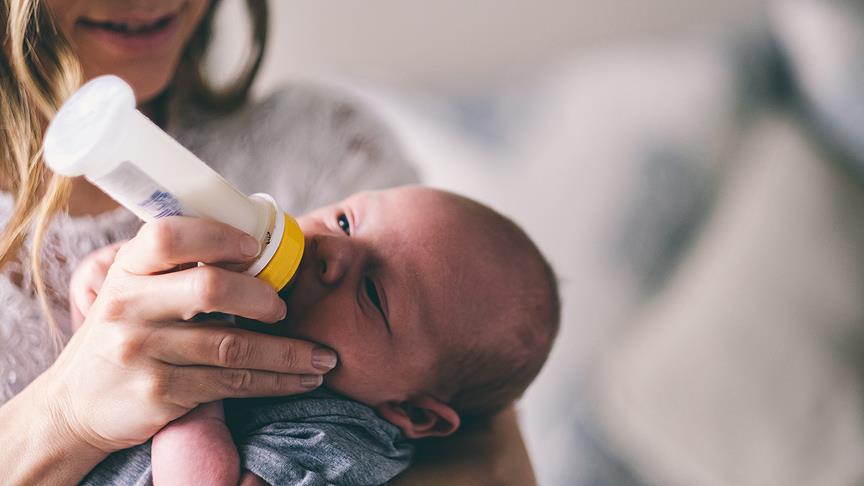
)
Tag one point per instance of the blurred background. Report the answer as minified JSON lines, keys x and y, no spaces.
{"x":691,"y":168}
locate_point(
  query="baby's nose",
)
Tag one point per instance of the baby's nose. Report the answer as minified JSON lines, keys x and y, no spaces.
{"x":335,"y":257}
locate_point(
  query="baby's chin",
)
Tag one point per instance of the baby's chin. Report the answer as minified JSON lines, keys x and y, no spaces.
{"x":341,"y":381}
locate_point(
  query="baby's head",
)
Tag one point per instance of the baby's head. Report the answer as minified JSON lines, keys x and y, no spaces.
{"x":438,"y":307}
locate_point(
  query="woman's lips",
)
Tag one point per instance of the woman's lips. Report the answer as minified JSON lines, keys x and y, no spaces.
{"x":133,"y":36}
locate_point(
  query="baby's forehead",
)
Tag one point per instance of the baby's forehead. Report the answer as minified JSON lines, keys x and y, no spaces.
{"x":451,"y":227}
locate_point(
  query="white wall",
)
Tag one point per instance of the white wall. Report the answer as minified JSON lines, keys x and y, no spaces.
{"x":449,"y":44}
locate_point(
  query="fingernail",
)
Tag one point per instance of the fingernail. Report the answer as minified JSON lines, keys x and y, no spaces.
{"x":249,"y":247}
{"x":283,"y":310}
{"x":311,"y":381}
{"x":323,"y":359}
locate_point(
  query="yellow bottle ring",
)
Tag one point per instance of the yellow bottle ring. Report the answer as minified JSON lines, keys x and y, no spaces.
{"x":285,"y":261}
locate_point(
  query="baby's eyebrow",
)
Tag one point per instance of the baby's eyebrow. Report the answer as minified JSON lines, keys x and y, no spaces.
{"x":372,"y":288}
{"x":383,"y":313}
{"x":387,"y":323}
{"x":384,"y":308}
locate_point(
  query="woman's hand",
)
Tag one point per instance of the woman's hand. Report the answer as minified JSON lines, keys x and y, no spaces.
{"x":136,"y":364}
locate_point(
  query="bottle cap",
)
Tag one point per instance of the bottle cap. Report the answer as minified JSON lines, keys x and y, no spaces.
{"x":88,"y":126}
{"x":282,"y":251}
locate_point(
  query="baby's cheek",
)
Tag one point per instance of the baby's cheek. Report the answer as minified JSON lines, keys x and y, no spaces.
{"x":339,"y":380}
{"x":356,"y":381}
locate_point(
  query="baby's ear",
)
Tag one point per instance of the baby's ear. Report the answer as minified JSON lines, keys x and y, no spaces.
{"x":421,"y":417}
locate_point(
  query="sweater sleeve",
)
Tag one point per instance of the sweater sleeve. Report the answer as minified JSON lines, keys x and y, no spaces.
{"x":307,"y":146}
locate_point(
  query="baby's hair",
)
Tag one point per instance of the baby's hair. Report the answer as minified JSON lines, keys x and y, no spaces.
{"x":495,"y":377}
{"x":481,"y":376}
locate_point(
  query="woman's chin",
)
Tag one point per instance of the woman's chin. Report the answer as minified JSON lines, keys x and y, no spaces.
{"x":146,"y":83}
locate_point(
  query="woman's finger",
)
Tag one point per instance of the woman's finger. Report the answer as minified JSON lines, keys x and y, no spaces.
{"x":200,"y":384}
{"x":164,"y":244}
{"x":182,"y":295}
{"x":81,"y":297}
{"x":238,"y":349}
{"x":89,"y":276}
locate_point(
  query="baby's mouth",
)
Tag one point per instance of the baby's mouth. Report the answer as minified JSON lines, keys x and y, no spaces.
{"x":287,"y":290}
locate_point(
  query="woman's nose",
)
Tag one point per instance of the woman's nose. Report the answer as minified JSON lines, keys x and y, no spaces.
{"x":335,"y":258}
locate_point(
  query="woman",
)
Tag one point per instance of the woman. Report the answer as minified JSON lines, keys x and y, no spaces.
{"x":113,"y":385}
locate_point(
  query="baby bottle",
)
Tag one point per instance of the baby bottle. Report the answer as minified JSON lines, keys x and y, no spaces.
{"x":99,"y":134}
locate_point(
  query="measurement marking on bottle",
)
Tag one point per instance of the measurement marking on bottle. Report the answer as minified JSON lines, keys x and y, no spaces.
{"x":161,"y":204}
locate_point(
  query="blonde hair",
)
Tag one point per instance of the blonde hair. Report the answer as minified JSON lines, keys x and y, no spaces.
{"x":38,"y":70}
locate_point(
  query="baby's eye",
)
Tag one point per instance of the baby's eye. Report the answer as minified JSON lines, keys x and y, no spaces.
{"x":342,"y":220}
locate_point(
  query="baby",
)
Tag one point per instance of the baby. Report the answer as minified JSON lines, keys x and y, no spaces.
{"x":441,"y":311}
